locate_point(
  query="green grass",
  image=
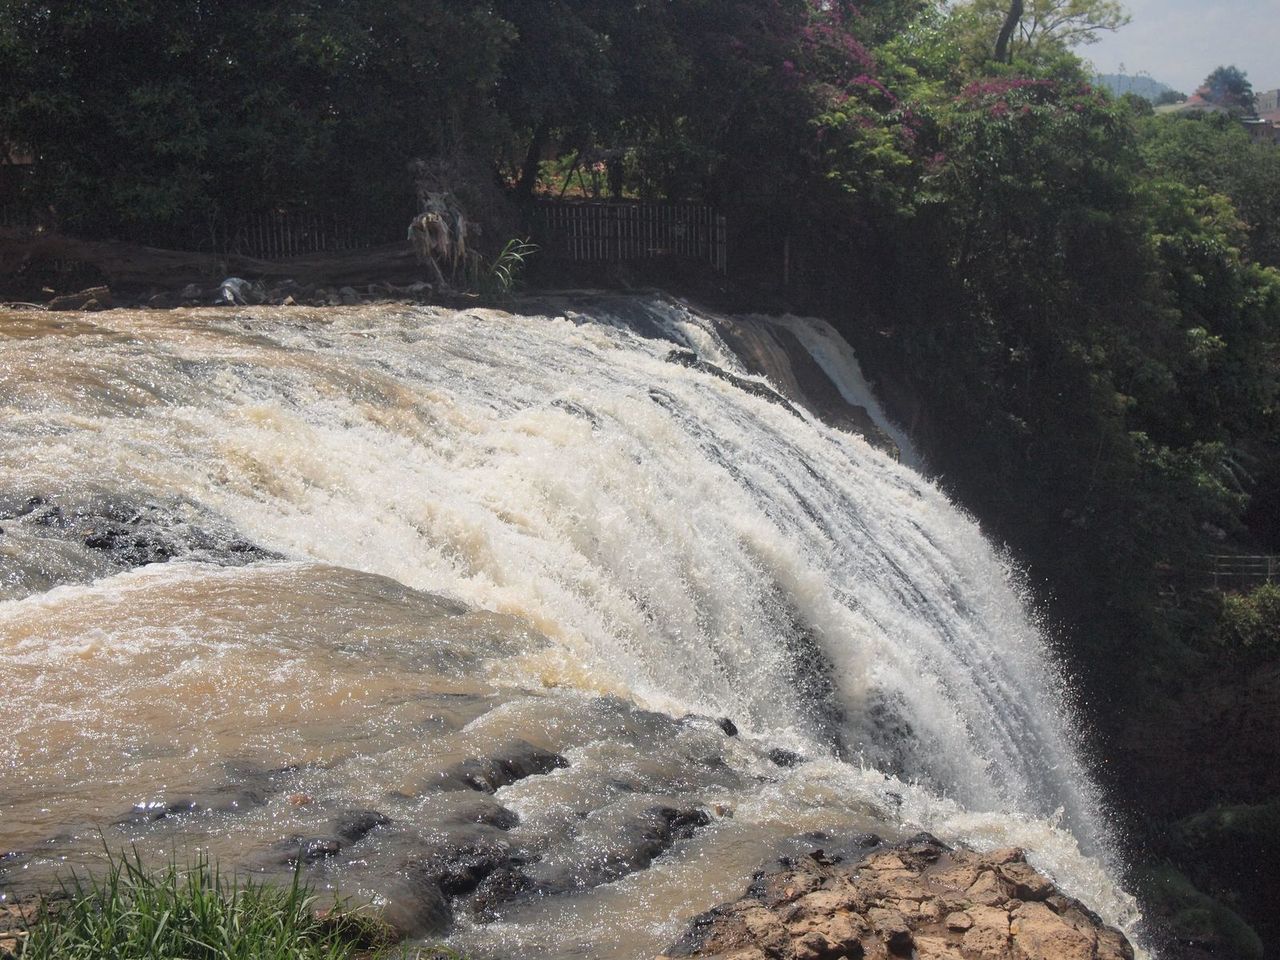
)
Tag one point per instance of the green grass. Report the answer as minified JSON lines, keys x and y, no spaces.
{"x":196,"y":913}
{"x":500,"y":278}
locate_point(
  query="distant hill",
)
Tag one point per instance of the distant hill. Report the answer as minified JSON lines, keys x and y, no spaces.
{"x":1121,"y":83}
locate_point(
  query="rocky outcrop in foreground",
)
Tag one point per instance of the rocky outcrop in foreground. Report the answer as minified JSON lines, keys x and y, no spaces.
{"x":919,"y":900}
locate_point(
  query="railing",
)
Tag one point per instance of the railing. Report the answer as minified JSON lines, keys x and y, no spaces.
{"x":280,"y":234}
{"x":597,"y":231}
{"x":1234,"y":571}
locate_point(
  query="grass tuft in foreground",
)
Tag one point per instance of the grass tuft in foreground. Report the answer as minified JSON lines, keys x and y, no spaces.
{"x":194,"y":913}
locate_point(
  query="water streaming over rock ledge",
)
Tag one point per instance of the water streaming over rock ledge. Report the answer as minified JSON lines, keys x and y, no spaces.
{"x":451,"y":605}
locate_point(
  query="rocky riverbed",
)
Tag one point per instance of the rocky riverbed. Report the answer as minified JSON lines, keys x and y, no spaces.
{"x":920,"y":899}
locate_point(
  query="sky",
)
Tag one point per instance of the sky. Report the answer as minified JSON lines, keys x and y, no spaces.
{"x":1179,"y":42}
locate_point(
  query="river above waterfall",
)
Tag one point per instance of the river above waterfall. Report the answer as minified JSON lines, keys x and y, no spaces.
{"x":541,"y":630}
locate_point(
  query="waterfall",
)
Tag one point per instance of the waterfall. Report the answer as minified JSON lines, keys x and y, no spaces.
{"x":367,"y":511}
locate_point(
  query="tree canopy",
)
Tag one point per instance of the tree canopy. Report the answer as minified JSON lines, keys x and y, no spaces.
{"x":1228,"y":87}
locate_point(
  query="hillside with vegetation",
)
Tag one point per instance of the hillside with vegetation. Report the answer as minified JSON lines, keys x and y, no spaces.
{"x":1140,"y":86}
{"x":1073,"y":302}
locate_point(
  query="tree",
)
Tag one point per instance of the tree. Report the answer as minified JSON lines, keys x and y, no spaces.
{"x":1034,"y":29}
{"x":1229,"y":87}
{"x":1003,"y":52}
{"x":163,"y":122}
{"x":1214,"y":152}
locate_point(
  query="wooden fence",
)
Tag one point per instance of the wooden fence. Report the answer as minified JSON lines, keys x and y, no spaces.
{"x":280,"y":234}
{"x":1232,"y":572}
{"x":598,"y":231}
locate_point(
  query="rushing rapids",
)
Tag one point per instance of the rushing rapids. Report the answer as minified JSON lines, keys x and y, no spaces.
{"x":449,"y":605}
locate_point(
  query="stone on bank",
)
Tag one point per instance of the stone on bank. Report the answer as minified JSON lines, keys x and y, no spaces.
{"x":920,"y":900}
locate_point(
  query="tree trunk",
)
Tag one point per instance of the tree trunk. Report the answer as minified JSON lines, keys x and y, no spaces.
{"x":529,"y":169}
{"x":1004,"y":54}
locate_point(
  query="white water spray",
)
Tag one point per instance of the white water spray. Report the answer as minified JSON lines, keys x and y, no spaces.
{"x":682,"y":543}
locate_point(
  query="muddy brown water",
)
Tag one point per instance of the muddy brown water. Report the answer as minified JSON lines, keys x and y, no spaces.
{"x":451,"y":605}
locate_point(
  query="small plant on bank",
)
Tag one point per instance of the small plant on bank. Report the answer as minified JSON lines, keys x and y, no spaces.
{"x":195,"y":913}
{"x":501,"y":277}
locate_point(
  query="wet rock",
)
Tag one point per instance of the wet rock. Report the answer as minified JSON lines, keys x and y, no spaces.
{"x":512,"y":763}
{"x":285,"y":292}
{"x":458,"y":867}
{"x":348,"y":296}
{"x":133,"y":535}
{"x":158,"y":810}
{"x":164,"y":300}
{"x":687,"y":358}
{"x":918,"y":899}
{"x":220,"y":800}
{"x":415,"y":909}
{"x":15,"y":511}
{"x":315,"y":849}
{"x":354,"y":825}
{"x":92,"y":298}
{"x":503,"y":885}
{"x":612,"y":848}
{"x":489,"y":813}
{"x":234,"y":292}
{"x":725,"y":725}
{"x":659,"y":829}
{"x":48,"y":516}
{"x":784,"y":758}
{"x":131,"y":546}
{"x":455,"y":868}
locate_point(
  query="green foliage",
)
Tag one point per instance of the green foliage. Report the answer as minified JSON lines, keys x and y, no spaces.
{"x":1195,"y":917}
{"x":1046,"y":29}
{"x":1254,"y":827}
{"x":1214,"y":152}
{"x":1099,"y":350}
{"x":195,"y":913}
{"x":162,"y":121}
{"x":1251,"y":620}
{"x":502,"y":276}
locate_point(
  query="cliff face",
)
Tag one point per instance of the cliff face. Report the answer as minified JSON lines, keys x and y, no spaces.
{"x":1227,"y":722}
{"x":1203,"y":768}
{"x":919,"y":899}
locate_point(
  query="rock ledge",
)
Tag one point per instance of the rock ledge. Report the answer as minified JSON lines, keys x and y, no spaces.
{"x":920,"y":899}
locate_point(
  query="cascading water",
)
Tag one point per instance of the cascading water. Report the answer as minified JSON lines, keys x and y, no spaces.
{"x":403,"y":540}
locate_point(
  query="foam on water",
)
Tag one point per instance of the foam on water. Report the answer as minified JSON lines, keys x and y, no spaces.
{"x":680,"y":543}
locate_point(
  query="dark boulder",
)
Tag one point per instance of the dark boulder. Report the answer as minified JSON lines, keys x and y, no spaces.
{"x":512,"y":763}
{"x":354,"y":825}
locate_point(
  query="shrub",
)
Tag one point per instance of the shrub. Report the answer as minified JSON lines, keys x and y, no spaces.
{"x":1251,"y":620}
